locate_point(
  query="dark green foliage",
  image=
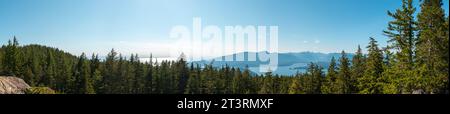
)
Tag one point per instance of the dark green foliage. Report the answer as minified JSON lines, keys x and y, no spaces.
{"x":401,"y":33}
{"x":432,"y":47}
{"x":314,"y":78}
{"x":83,"y":80}
{"x":343,"y":83}
{"x":11,"y":59}
{"x":370,"y":83}
{"x":357,"y":70}
{"x":416,"y":58}
{"x":329,"y":84}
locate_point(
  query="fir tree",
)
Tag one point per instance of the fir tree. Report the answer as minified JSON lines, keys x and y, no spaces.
{"x":267,"y":87}
{"x":295,"y":87}
{"x":149,"y":77}
{"x":342,"y":80}
{"x":330,"y":78}
{"x":49,"y":76}
{"x":432,"y":47}
{"x":357,"y":70}
{"x":401,"y":32}
{"x":370,"y":82}
{"x":11,"y":59}
{"x":82,"y":77}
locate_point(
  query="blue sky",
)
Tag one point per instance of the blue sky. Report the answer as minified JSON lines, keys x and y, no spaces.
{"x":143,"y":26}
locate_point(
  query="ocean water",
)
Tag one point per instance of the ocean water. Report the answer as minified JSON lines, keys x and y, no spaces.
{"x":281,"y":70}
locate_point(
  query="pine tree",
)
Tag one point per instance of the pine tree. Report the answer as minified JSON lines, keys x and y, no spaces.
{"x":139,"y":78}
{"x":83,"y":81}
{"x":342,"y":80}
{"x":357,"y":70}
{"x":156,"y":79}
{"x":432,"y":47}
{"x":49,"y":78}
{"x":370,"y":82}
{"x":246,"y":82}
{"x":267,"y":87}
{"x":314,"y":79}
{"x":228,"y":78}
{"x":193,"y":83}
{"x":36,"y":69}
{"x":209,"y":77}
{"x":95,"y":72}
{"x":11,"y":59}
{"x":401,"y":32}
{"x":164,"y":85}
{"x":278,"y":85}
{"x":295,"y":87}
{"x":183,"y":73}
{"x":127,"y":74}
{"x":330,"y":79}
{"x":109,"y":73}
{"x":120,"y":76}
{"x":237,"y":86}
{"x":389,"y":81}
{"x":29,"y":75}
{"x":149,"y":77}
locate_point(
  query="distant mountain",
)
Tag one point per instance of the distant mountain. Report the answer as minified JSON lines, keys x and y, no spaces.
{"x":288,"y":63}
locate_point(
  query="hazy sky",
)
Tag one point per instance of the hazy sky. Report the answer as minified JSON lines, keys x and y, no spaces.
{"x":143,"y":26}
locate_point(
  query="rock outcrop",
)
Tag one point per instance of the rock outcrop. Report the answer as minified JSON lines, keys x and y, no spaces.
{"x":12,"y":85}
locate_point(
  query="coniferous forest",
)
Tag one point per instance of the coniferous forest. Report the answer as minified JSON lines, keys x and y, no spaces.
{"x":414,"y":61}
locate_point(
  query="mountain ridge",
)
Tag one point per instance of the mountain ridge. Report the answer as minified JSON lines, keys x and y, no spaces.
{"x":290,"y":63}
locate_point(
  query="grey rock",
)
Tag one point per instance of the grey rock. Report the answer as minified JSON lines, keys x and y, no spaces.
{"x":12,"y":85}
{"x":419,"y":91}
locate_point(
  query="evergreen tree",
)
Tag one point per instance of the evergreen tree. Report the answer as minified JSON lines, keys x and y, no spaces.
{"x":194,"y":82}
{"x":246,"y":82}
{"x":267,"y":87}
{"x":357,"y":70}
{"x":237,"y":85}
{"x":401,"y":32}
{"x":295,"y":87}
{"x":156,"y":80}
{"x":109,"y":73}
{"x":139,"y":79}
{"x":370,"y":82}
{"x":314,"y":79}
{"x":36,"y":69}
{"x":95,"y":72}
{"x":342,"y":81}
{"x":11,"y":59}
{"x":432,"y":47}
{"x":183,"y":73}
{"x":389,"y":81}
{"x":330,"y":79}
{"x":82,"y":77}
{"x":209,"y":77}
{"x":149,"y":77}
{"x":49,"y":77}
{"x":29,"y":74}
{"x":29,"y":77}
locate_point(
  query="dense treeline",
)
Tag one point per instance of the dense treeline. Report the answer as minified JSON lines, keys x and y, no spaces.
{"x":414,"y":61}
